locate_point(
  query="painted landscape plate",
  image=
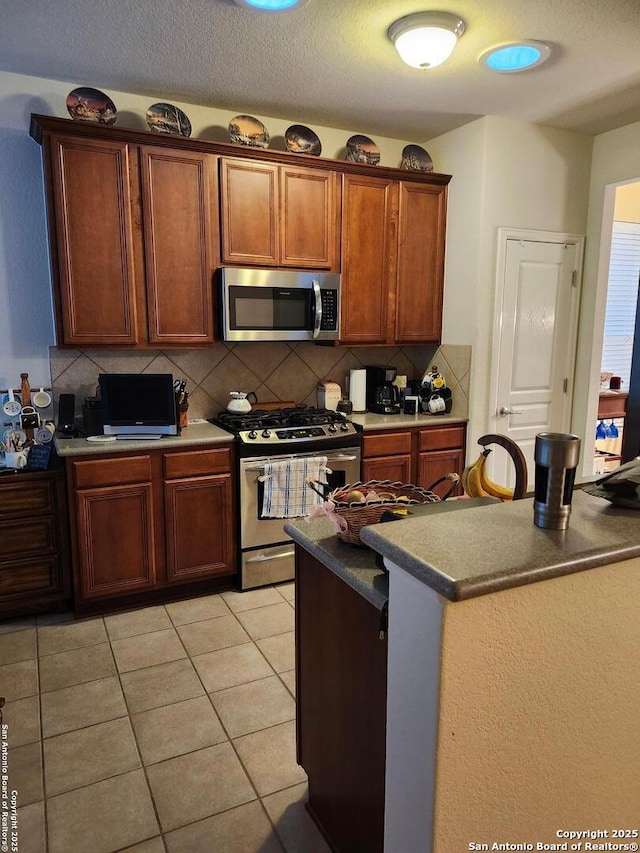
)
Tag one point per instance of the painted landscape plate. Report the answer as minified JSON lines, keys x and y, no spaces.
{"x":302,"y":140}
{"x":247,"y":130}
{"x":416,"y":159}
{"x":165,"y":118}
{"x":361,"y":149}
{"x":87,"y":104}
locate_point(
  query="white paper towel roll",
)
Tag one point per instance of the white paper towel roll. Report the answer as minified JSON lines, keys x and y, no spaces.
{"x":358,"y":389}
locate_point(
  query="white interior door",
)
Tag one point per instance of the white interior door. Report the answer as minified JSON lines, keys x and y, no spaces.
{"x":535,"y":343}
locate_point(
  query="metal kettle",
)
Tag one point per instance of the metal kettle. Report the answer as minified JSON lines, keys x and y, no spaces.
{"x":239,"y":404}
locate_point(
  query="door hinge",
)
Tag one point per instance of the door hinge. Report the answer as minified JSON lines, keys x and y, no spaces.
{"x":565,"y":384}
{"x":574,"y":278}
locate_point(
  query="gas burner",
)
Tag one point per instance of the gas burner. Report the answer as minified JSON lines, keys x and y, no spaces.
{"x":302,"y":425}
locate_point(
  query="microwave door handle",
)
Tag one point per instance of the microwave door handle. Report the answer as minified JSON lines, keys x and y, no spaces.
{"x":318,"y":312}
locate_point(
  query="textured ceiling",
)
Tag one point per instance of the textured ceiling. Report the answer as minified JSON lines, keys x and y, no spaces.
{"x":331,"y":62}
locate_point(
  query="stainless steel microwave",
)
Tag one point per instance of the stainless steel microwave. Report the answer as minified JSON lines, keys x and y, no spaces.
{"x":276,"y":305}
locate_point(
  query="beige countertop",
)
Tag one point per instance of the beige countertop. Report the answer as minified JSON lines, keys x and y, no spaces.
{"x":370,"y":421}
{"x":191,"y":436}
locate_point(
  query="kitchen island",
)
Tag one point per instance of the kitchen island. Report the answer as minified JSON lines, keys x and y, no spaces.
{"x":511,"y":674}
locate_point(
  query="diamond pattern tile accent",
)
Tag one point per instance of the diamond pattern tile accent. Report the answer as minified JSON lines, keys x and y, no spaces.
{"x":275,"y":371}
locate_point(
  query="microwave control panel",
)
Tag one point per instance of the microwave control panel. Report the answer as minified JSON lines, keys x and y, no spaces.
{"x":329,"y":322}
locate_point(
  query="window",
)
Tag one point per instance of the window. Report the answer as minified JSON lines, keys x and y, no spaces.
{"x":622,"y":297}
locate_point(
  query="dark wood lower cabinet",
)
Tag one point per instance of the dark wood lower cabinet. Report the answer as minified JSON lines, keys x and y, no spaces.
{"x":35,"y":572}
{"x":151,"y":525}
{"x":115,"y":540}
{"x":341,"y":686}
{"x":199,"y":527}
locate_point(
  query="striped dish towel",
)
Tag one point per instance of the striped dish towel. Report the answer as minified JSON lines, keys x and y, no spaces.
{"x":286,"y":493}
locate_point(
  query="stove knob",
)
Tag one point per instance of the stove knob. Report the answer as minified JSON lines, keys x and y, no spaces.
{"x":252,"y":434}
{"x":344,"y":427}
{"x":333,"y":428}
{"x":266,"y":433}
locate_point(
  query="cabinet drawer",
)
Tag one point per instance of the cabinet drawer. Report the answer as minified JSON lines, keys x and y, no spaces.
{"x":441,"y":438}
{"x":18,"y":538}
{"x":24,"y":498}
{"x":37,"y":574}
{"x":197,"y":462}
{"x":112,"y":472}
{"x":390,"y":443}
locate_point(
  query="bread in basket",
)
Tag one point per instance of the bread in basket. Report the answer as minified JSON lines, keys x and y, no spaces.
{"x":374,"y":498}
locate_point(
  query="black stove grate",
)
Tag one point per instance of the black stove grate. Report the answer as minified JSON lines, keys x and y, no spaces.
{"x":259,"y":419}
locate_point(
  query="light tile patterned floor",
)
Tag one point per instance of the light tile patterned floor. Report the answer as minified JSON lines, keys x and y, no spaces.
{"x":168,"y":729}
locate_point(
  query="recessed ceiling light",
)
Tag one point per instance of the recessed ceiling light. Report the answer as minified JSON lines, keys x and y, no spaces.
{"x":516,"y":56}
{"x":271,"y":5}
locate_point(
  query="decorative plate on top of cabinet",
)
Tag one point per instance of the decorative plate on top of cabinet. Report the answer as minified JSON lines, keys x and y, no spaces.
{"x":166,"y":118}
{"x":416,"y":159}
{"x":87,"y":104}
{"x":247,"y":130}
{"x":361,"y":149}
{"x":302,"y":140}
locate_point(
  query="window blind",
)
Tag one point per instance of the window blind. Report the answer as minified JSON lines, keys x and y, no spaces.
{"x":622,"y":297}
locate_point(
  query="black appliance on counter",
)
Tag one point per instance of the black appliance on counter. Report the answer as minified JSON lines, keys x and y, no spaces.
{"x":263,"y":437}
{"x":383,"y":398}
{"x":93,"y":416}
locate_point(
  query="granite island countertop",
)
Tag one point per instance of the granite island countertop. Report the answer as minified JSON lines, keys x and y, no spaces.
{"x":356,"y":566}
{"x":190,"y":437}
{"x":490,"y":548}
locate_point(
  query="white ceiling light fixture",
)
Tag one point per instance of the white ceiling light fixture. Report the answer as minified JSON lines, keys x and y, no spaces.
{"x":425,"y":39}
{"x":271,"y":5}
{"x":515,"y":56}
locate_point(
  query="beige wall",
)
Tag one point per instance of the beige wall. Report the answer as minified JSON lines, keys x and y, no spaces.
{"x":506,"y":174}
{"x":539,"y":707}
{"x":616,"y":161}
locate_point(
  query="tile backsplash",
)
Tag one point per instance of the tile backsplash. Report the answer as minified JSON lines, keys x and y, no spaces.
{"x":275,"y":371}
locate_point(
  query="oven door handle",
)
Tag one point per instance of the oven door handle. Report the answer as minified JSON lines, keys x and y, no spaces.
{"x":259,"y":469}
{"x":266,"y":557}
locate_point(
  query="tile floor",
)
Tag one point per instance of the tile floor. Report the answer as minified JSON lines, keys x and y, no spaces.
{"x":168,"y":729}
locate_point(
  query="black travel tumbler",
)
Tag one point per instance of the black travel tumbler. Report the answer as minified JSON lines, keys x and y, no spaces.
{"x":556,"y":458}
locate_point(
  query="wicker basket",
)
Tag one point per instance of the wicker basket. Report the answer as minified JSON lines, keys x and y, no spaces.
{"x":358,"y":515}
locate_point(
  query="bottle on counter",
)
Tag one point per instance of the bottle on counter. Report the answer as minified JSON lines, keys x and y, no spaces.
{"x":25,"y":390}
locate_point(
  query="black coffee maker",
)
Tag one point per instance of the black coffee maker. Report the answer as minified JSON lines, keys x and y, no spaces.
{"x":383,"y":397}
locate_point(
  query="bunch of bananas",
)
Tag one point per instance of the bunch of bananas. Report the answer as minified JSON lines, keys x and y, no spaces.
{"x":477,"y":485}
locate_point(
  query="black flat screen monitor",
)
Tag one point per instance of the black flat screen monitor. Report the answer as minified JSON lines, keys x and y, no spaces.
{"x":136,"y":404}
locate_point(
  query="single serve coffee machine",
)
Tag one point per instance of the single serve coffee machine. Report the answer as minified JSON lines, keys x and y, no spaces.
{"x":383,"y":397}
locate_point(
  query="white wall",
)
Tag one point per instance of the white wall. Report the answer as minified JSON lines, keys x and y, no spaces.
{"x":26,"y":317}
{"x":506,"y":174}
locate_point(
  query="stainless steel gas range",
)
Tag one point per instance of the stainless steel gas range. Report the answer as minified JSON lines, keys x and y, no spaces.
{"x":266,"y":552}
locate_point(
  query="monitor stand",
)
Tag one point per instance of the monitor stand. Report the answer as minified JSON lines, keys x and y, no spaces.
{"x":138,"y":436}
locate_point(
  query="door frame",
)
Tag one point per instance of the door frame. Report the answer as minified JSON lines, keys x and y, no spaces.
{"x":504,"y":235}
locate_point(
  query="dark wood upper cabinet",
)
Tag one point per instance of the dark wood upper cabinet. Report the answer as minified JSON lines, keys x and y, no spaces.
{"x":180,"y":228}
{"x":278,"y":216}
{"x":368,"y":258}
{"x":420,"y":277}
{"x":309,"y":218}
{"x":393,"y":261}
{"x":139,"y":223}
{"x":93,"y":241}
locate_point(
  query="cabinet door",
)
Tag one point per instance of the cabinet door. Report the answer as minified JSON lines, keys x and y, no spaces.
{"x":115,"y":540}
{"x":432,"y":466}
{"x":421,"y":233}
{"x":200,"y":527}
{"x":368,"y":258}
{"x":309,"y":218}
{"x":180,"y":231}
{"x":93,"y":241}
{"x":395,"y":468}
{"x":249,"y":212}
